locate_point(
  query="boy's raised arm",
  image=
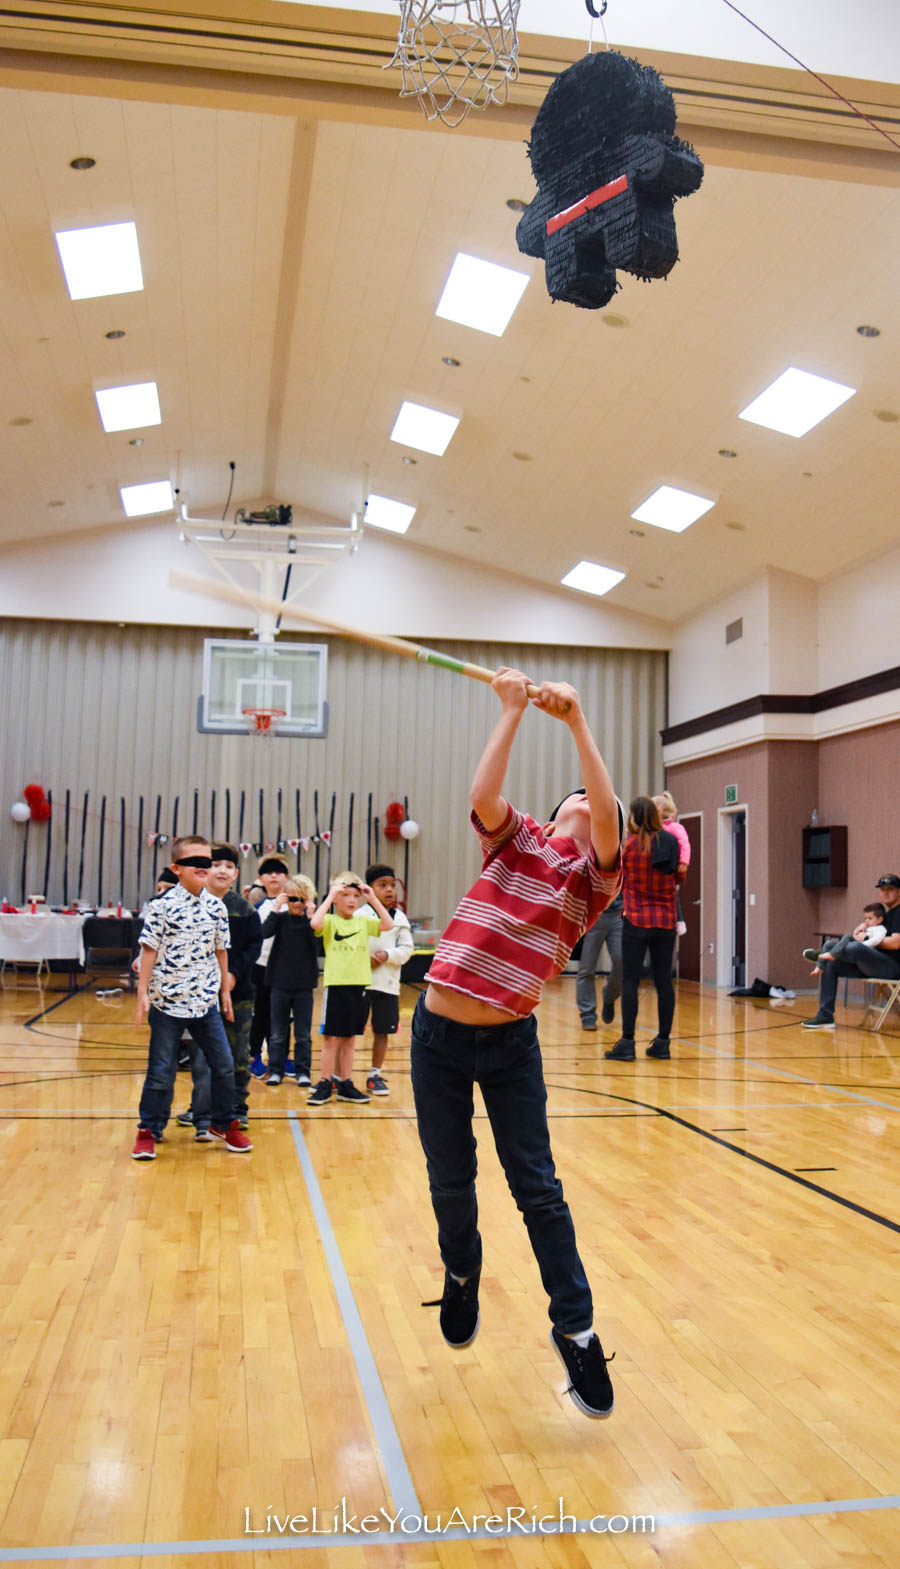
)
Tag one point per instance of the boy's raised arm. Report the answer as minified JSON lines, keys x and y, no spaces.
{"x":487,"y":785}
{"x":561,"y":701}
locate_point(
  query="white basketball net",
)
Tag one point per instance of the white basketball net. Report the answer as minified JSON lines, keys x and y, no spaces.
{"x":457,"y":55}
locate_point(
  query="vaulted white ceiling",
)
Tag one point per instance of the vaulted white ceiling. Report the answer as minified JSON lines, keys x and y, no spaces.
{"x":292,"y":266}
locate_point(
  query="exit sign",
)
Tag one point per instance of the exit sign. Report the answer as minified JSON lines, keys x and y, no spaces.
{"x":730,"y":795}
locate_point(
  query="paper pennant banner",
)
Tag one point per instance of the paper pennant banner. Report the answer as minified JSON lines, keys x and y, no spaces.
{"x":293,"y":844}
{"x":245,"y":849}
{"x":163,"y":839}
{"x":152,"y":838}
{"x":305,"y":842}
{"x":326,"y":835}
{"x":269,"y":844}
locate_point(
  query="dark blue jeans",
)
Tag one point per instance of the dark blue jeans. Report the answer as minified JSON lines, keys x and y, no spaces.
{"x":857,"y":959}
{"x":162,"y":1064}
{"x":283,"y":1003}
{"x":447,"y":1060}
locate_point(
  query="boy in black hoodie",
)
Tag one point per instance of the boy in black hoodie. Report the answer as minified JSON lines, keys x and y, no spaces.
{"x":292,"y":975}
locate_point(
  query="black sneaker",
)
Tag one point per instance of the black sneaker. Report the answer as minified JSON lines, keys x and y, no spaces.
{"x":274,"y":1079}
{"x":659,"y":1048}
{"x":321,"y":1095}
{"x":812,"y":954}
{"x":589,"y":1382}
{"x":459,"y":1310}
{"x":623,"y":1051}
{"x":185,"y":1119}
{"x":376,"y":1084}
{"x":589,"y":1024}
{"x":346,"y":1090}
{"x":819,"y":1021}
{"x":608,"y":1011}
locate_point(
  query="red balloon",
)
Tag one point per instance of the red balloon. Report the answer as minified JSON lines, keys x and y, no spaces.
{"x":34,"y":795}
{"x":395,"y":813}
{"x":40,"y":812}
{"x":392,"y":830}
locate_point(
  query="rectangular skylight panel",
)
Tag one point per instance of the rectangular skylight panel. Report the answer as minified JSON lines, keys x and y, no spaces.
{"x":426,"y":429}
{"x":673,"y":509}
{"x":592,"y":578}
{"x":129,"y":408}
{"x":481,"y":294}
{"x":140,"y":500}
{"x":796,"y":401}
{"x":395,"y":516}
{"x":105,"y":260}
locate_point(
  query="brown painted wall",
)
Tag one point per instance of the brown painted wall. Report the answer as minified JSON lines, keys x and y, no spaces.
{"x":856,"y":777}
{"x":847,"y":779}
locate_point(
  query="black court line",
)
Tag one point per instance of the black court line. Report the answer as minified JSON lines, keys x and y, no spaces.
{"x":815,"y":1168}
{"x":66,"y":997}
{"x":729,"y":1130}
{"x":758,"y":1160}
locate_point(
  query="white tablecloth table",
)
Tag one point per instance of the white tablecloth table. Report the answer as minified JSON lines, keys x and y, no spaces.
{"x":35,"y":939}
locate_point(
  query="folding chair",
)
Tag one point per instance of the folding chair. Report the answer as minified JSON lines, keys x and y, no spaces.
{"x":880,"y":1006}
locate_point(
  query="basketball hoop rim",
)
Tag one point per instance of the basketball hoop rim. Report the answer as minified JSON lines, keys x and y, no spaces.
{"x":262,"y":721}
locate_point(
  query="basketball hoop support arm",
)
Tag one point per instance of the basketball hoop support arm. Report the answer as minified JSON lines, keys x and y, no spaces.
{"x":268,"y":551}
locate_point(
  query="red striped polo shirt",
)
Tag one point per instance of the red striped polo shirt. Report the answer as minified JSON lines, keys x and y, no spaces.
{"x":518,"y":924}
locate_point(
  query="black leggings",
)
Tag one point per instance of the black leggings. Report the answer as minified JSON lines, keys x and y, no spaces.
{"x":636,"y":940}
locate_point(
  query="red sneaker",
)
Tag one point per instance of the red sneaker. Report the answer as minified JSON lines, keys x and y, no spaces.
{"x":233,"y":1137}
{"x":144,"y":1145}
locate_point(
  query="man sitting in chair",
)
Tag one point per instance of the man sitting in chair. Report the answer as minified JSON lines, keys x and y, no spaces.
{"x":870,"y":964}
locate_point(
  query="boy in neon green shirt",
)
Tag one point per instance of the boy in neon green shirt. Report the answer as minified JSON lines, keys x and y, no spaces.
{"x":348,"y":971}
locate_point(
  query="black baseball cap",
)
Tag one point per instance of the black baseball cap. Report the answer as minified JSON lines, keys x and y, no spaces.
{"x":580,"y":790}
{"x":890,"y":880}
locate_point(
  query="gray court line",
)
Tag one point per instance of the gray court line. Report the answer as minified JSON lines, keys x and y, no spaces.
{"x":799,"y":1078}
{"x":387,"y":1438}
{"x":393,"y":1538}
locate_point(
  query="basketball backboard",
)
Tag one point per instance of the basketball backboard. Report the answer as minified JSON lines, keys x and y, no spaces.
{"x":242,"y":674}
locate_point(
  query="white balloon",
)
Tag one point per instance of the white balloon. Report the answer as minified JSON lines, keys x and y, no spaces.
{"x":20,"y":811}
{"x":409,"y":829}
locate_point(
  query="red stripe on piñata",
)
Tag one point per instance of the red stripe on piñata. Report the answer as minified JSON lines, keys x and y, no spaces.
{"x":604,"y":193}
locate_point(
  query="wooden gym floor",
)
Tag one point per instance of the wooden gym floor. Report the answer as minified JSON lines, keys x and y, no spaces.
{"x":187,"y":1340}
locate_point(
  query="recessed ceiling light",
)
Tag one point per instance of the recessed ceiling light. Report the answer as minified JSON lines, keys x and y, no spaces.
{"x":428,"y":429}
{"x":639,"y":533}
{"x":136,"y":441}
{"x":22,"y":419}
{"x":447,"y":359}
{"x":82,"y":163}
{"x":673,"y":509}
{"x":523,"y":457}
{"x":382,"y":512}
{"x":796,"y":401}
{"x":481,"y":294}
{"x":591,"y":578}
{"x":611,"y":319}
{"x":115,"y":333}
{"x":887,"y":416}
{"x":103,"y":260}
{"x":516,"y":204}
{"x":411,"y":461}
{"x":869,"y":332}
{"x":739,"y":528}
{"x":727,"y":452}
{"x":128,"y":408}
{"x":140,"y":500}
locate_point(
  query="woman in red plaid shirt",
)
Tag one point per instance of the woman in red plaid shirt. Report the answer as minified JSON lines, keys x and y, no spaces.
{"x":650,"y":916}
